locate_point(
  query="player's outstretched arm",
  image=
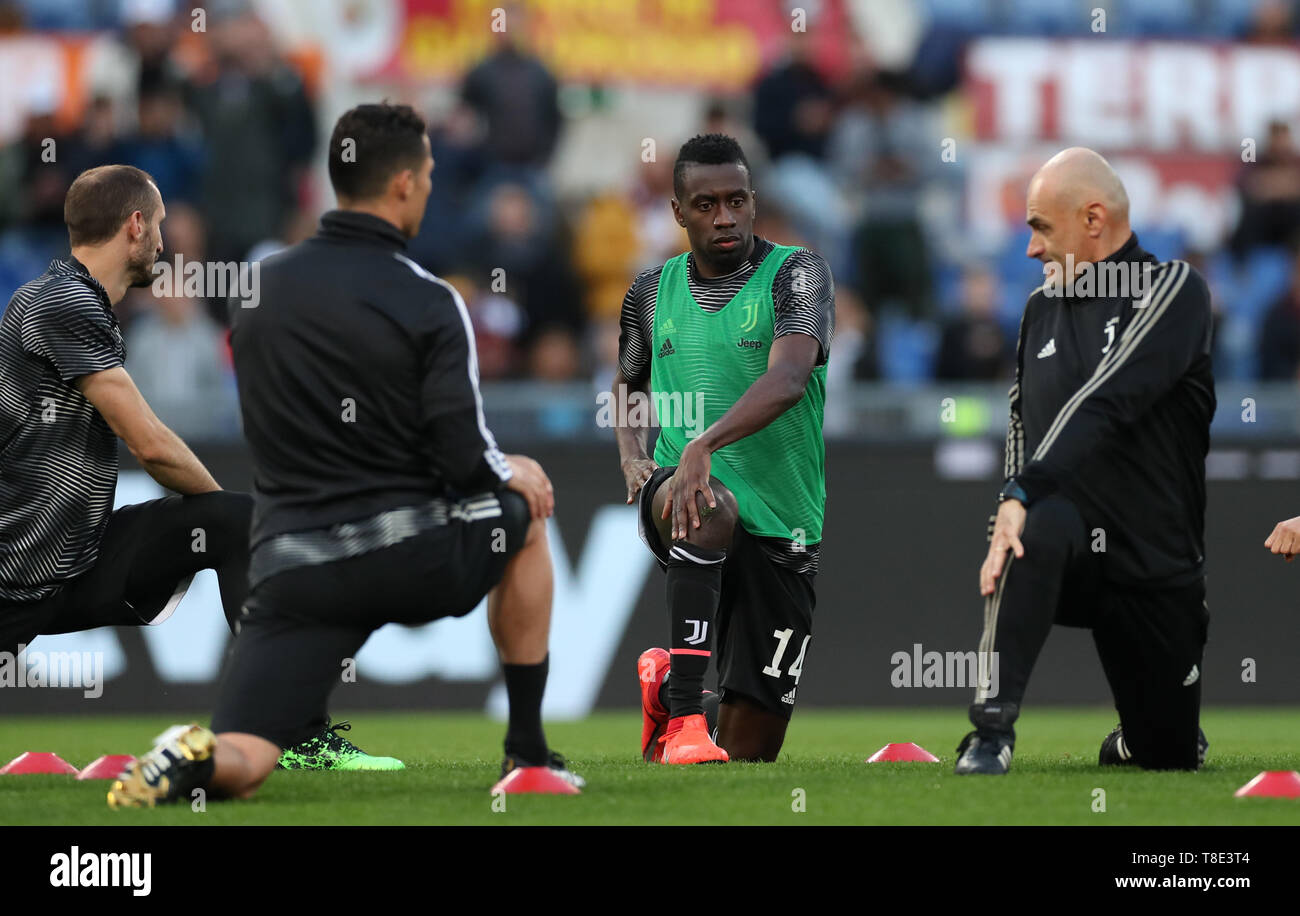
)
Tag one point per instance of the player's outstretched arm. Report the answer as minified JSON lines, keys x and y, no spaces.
{"x":1285,"y":538}
{"x":789,"y":365}
{"x":160,"y":451}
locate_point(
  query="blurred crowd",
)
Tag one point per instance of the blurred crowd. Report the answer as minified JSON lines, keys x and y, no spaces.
{"x":228,"y":130}
{"x":231,"y":129}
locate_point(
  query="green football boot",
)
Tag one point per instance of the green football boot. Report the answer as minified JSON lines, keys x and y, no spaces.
{"x":328,"y":750}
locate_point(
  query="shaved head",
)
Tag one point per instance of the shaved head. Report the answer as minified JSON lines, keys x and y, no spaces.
{"x":1076,"y":206}
{"x":1079,"y":176}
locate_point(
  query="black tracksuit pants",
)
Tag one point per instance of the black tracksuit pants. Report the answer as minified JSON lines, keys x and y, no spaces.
{"x":1150,"y":640}
{"x":147,"y":556}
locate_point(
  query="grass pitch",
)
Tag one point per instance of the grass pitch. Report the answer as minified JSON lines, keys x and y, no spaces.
{"x":453,"y":759}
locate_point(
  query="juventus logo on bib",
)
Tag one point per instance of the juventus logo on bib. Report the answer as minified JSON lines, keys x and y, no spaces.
{"x":749,"y":317}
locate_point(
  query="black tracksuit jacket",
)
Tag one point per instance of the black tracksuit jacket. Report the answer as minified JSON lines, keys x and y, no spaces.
{"x":1112,"y":407}
{"x":358,"y":382}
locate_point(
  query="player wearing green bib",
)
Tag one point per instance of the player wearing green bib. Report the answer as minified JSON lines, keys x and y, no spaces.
{"x":729,"y":342}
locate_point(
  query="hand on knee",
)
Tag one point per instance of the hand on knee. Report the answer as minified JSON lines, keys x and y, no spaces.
{"x":717,"y":523}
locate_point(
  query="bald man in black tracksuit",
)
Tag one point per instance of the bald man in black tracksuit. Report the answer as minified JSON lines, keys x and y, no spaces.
{"x":1105,"y":471}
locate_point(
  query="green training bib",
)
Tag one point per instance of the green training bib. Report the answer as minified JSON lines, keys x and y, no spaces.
{"x":701,"y":363}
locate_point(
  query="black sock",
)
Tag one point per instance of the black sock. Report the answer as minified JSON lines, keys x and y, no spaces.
{"x":694,"y":589}
{"x":710,"y":700}
{"x":711,"y":703}
{"x":525,"y":685}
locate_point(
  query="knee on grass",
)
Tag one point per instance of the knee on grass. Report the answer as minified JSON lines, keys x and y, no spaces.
{"x":242,"y":764}
{"x":748,"y":731}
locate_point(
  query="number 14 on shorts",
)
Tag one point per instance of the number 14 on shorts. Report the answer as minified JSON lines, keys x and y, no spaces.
{"x":782,"y":643}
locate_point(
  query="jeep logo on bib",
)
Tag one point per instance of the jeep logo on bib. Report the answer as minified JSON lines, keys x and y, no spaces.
{"x":746,"y":344}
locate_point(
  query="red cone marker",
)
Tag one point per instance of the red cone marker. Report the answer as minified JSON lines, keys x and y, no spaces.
{"x":110,"y":766}
{"x":902,"y":752}
{"x":534,"y":781}
{"x":1272,"y":784}
{"x":38,"y":762}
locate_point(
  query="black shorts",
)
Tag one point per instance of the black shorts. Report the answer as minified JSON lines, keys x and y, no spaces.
{"x":147,"y":558}
{"x":302,"y":627}
{"x":764,"y":621}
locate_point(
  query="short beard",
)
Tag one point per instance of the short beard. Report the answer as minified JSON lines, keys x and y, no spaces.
{"x":139,"y":267}
{"x":723,"y":263}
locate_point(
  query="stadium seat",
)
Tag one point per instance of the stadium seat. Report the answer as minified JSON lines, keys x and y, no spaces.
{"x":22,"y":256}
{"x":1230,"y":18}
{"x":68,"y":15}
{"x":1017,"y":276}
{"x":1246,"y":292}
{"x":1048,"y":17}
{"x":1154,"y":18}
{"x":1236,"y":349}
{"x":1165,"y":244}
{"x":971,"y":15}
{"x":947,"y":287}
{"x":907,"y":349}
{"x":1261,"y":279}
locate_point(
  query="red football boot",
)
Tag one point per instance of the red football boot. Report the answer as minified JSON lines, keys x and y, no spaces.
{"x":651,"y":668}
{"x":687,"y":741}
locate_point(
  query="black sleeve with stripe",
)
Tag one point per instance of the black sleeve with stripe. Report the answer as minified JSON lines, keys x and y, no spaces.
{"x":1150,"y":357}
{"x":1015,"y":456}
{"x":466,"y":452}
{"x":634,"y":323}
{"x":803,"y":296}
{"x":68,"y":326}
